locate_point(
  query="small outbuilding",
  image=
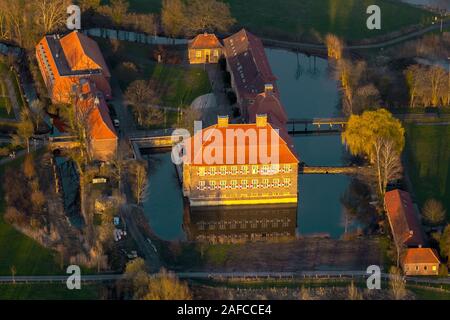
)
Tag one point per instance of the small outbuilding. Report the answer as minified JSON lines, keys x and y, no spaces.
{"x":421,"y":262}
{"x":205,"y":48}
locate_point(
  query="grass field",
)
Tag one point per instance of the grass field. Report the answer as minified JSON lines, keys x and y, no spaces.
{"x":288,"y":19}
{"x":180,"y":85}
{"x":57,"y":291}
{"x":5,"y":102}
{"x":428,"y":162}
{"x":20,"y":251}
{"x":6,"y":111}
{"x":177,"y":85}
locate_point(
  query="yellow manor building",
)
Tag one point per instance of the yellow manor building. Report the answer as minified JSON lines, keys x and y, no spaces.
{"x":238,"y":182}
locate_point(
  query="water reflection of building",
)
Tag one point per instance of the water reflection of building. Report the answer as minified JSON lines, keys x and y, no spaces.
{"x":234,"y":224}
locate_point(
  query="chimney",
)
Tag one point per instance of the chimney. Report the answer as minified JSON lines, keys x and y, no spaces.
{"x":222,"y":121}
{"x":261,"y":120}
{"x":268,"y":88}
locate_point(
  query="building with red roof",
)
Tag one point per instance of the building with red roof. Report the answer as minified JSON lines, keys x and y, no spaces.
{"x":249,"y":68}
{"x":64,"y":61}
{"x":268,"y":102}
{"x":421,"y":262}
{"x":234,"y":164}
{"x":205,"y":48}
{"x":93,"y":110}
{"x":403,"y":218}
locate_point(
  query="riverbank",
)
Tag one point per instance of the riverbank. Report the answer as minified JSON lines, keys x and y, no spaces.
{"x":285,"y":256}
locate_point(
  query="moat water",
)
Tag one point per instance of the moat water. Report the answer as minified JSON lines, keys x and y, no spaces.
{"x":307,"y":91}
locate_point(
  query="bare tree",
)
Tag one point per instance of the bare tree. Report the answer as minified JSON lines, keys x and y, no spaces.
{"x":399,"y":243}
{"x":173,"y":17}
{"x":413,"y":80}
{"x":13,"y":273}
{"x":50,"y":14}
{"x":350,"y":76}
{"x":188,"y":116}
{"x":139,"y":182}
{"x":388,"y":163}
{"x":37,"y":108}
{"x":428,"y":85}
{"x":434,"y":212}
{"x":141,"y":94}
{"x":208,"y":15}
{"x":118,"y":163}
{"x":17,"y":14}
{"x":142,"y":22}
{"x":119,"y":9}
{"x":335,"y":46}
{"x":86,"y":5}
{"x":353,"y":292}
{"x":166,"y":286}
{"x":397,"y":284}
{"x":136,"y":278}
{"x":304,"y":294}
{"x":437,"y":77}
{"x":366,"y":97}
{"x":25,"y":130}
{"x":4,"y":25}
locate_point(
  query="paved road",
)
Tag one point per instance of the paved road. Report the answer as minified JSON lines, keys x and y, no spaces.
{"x":381,"y":44}
{"x":151,"y":257}
{"x":224,"y":275}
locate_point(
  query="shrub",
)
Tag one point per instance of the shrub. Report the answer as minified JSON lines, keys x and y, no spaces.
{"x":13,"y":216}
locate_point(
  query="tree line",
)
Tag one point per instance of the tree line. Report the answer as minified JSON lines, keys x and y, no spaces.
{"x":358,"y":92}
{"x":428,"y":86}
{"x":25,"y":22}
{"x":189,"y":17}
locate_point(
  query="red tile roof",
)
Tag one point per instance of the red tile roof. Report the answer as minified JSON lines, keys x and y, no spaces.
{"x":403,"y":218}
{"x":420,"y":255}
{"x":100,"y":124}
{"x":268,"y":103}
{"x":229,"y":151}
{"x":205,"y":41}
{"x":248,"y":63}
{"x":63,"y":61}
{"x":83,"y":53}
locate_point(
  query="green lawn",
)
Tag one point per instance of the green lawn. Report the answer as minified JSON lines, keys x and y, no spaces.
{"x":57,"y":291}
{"x":6,"y":72}
{"x":20,"y":251}
{"x":428,"y":162}
{"x":6,"y":111}
{"x":288,"y":19}
{"x":178,"y":85}
{"x":429,"y":294}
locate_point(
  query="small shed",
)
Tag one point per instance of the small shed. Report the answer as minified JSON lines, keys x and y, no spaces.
{"x":421,"y":262}
{"x":205,"y":48}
